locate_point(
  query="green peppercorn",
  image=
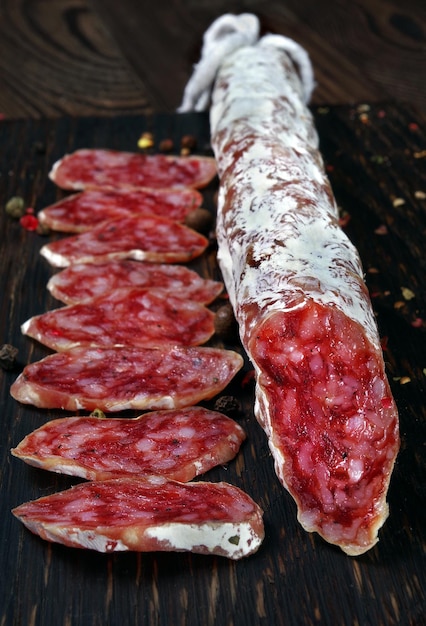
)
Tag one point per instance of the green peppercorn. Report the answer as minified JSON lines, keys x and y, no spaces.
{"x":15,"y":207}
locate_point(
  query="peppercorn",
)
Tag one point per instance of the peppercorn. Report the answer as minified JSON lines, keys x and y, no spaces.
{"x":15,"y":207}
{"x":229,"y":405}
{"x":188,"y":141}
{"x":225,"y":323}
{"x":166,"y":145}
{"x":8,"y":354}
{"x":200,"y":220}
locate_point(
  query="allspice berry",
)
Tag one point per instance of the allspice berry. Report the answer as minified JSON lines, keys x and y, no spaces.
{"x":225,"y":323}
{"x":200,"y":220}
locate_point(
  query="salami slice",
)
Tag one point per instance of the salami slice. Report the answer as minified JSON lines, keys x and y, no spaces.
{"x":146,"y":515}
{"x":116,"y":379}
{"x":144,"y":238}
{"x":113,"y":169}
{"x":296,"y":285}
{"x":83,"y":281}
{"x":178,"y":444}
{"x":82,"y":211}
{"x":124,"y":317}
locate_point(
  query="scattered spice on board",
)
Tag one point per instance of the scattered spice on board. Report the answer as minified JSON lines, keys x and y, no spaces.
{"x":98,"y":413}
{"x":378,"y":158}
{"x":344,"y":219}
{"x":15,"y":207}
{"x":399,"y":304}
{"x":8,"y":354}
{"x":229,"y":405}
{"x":188,"y":141}
{"x":248,"y":378}
{"x":407,"y":294}
{"x":200,"y":220}
{"x":420,"y":195}
{"x":146,"y":140}
{"x":396,"y":202}
{"x":404,"y":380}
{"x":381,"y":230}
{"x":225,"y":323}
{"x":29,"y":220}
{"x":166,"y":145}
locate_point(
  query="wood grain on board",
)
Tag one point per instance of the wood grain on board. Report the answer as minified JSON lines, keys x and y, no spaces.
{"x":103,"y":57}
{"x":374,"y":156}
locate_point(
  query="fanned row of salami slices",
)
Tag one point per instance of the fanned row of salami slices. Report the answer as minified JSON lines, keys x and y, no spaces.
{"x":130,"y":337}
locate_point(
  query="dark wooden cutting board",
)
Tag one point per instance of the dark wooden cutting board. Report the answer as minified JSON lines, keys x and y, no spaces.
{"x":375,"y":157}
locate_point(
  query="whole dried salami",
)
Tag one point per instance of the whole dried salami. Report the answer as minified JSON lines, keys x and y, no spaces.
{"x":178,"y":444}
{"x":82,"y":281}
{"x":146,"y":515}
{"x":116,"y":379}
{"x":305,"y":317}
{"x":112,"y":169}
{"x":144,"y":238}
{"x":124,"y":317}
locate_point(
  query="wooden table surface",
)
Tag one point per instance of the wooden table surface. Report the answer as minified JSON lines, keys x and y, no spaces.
{"x":109,"y":57}
{"x":97,"y":73}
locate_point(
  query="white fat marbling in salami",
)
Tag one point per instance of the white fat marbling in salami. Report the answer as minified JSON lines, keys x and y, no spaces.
{"x":82,"y":211}
{"x":178,"y":444}
{"x":305,"y":317}
{"x":113,"y":169}
{"x":146,"y":515}
{"x":116,"y":379}
{"x":83,"y":281}
{"x":147,"y":238}
{"x":124,"y":317}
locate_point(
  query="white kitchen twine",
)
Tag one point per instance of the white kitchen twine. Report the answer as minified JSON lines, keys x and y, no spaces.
{"x":226,"y":34}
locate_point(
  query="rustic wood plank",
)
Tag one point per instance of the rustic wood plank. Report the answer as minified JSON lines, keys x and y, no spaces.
{"x":365,"y":51}
{"x":103,"y":57}
{"x":58,"y":59}
{"x":295,"y":578}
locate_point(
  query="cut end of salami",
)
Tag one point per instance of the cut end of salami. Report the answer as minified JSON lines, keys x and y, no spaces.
{"x":116,"y":379}
{"x":146,"y":515}
{"x":143,"y":238}
{"x":91,"y":168}
{"x":325,"y":402}
{"x":177,"y":444}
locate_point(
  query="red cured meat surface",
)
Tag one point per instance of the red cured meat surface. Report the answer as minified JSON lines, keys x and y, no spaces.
{"x":296,"y":284}
{"x":153,"y":514}
{"x":178,"y":444}
{"x":115,"y":379}
{"x":144,"y":238}
{"x":82,"y":281}
{"x":82,"y":211}
{"x":113,"y":169}
{"x":333,"y":418}
{"x":125,"y":317}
